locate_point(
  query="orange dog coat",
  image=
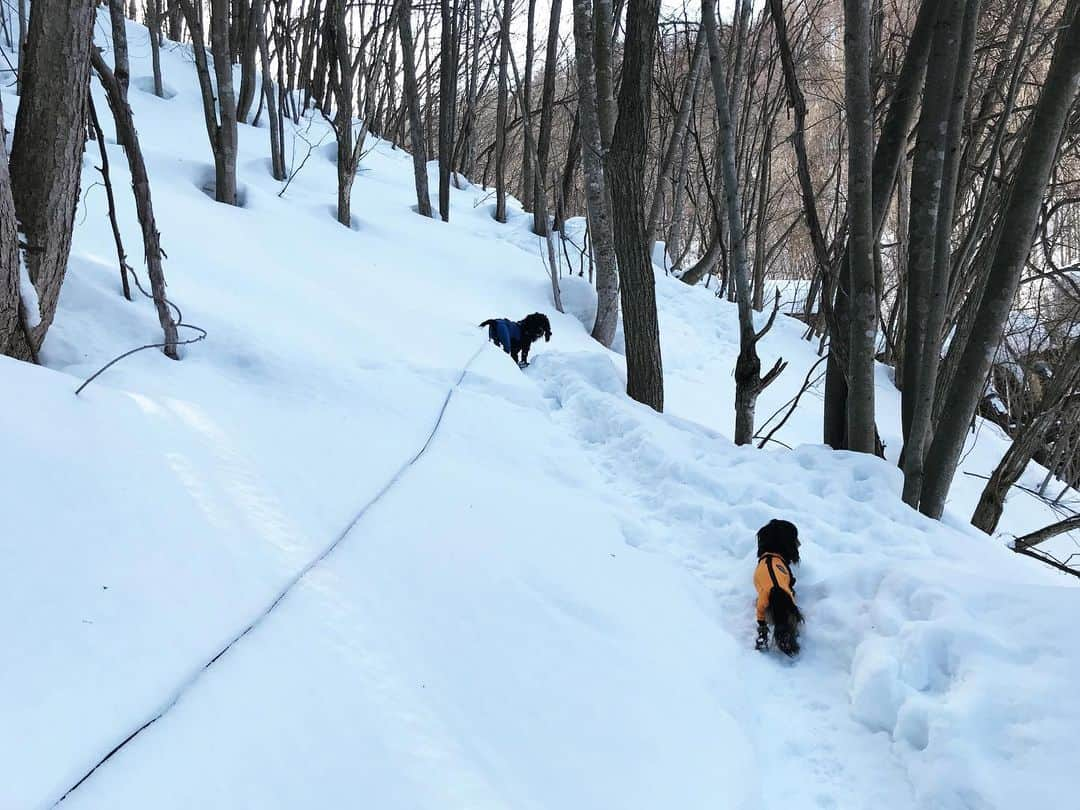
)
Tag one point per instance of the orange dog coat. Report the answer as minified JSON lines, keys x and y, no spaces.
{"x":771,"y":570}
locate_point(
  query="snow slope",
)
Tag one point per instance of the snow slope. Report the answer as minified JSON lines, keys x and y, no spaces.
{"x":550,"y":608}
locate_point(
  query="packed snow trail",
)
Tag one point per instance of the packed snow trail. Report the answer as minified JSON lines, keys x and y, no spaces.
{"x":184,"y":687}
{"x":893,"y":642}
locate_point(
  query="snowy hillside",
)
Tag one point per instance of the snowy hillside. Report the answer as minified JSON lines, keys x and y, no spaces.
{"x":502,"y":589}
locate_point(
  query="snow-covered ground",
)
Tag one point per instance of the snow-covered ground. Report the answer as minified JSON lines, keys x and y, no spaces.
{"x":550,"y":608}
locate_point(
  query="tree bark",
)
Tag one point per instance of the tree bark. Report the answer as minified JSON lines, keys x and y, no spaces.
{"x":412,"y":101}
{"x":890,"y":150}
{"x":220,"y":114}
{"x":1026,"y":443}
{"x":547,"y":109}
{"x":597,"y":201}
{"x":863,"y":315}
{"x":664,"y":182}
{"x":98,"y":134}
{"x":748,"y":380}
{"x":273,"y":113}
{"x":22,"y":45}
{"x":527,"y":168}
{"x":603,"y":28}
{"x":46,"y":155}
{"x":342,"y":84}
{"x":501,"y":113}
{"x":154,"y":9}
{"x":933,"y":186}
{"x":119,"y":42}
{"x":625,"y":169}
{"x":1013,"y":243}
{"x":447,"y":71}
{"x":13,"y":339}
{"x":248,"y":39}
{"x":128,"y":138}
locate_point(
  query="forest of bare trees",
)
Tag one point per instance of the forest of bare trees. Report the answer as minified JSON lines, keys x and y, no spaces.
{"x":911,"y":166}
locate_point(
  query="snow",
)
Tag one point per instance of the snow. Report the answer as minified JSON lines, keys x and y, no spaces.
{"x":550,"y":608}
{"x":28,"y":297}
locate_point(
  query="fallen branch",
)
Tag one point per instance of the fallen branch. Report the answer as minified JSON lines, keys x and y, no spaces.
{"x":1045,"y":533}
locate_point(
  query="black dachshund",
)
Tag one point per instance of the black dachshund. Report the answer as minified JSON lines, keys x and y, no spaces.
{"x":516,"y":337}
{"x":778,"y":550}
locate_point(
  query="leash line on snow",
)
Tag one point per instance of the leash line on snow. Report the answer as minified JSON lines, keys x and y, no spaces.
{"x":186,"y":685}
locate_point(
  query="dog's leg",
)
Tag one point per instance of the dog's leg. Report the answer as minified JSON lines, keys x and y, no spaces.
{"x":762,"y":642}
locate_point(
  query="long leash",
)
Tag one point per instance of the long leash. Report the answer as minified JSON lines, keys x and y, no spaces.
{"x":259,"y":618}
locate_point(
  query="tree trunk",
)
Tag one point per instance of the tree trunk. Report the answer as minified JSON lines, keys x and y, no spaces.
{"x":220,"y":115}
{"x":1027,"y":441}
{"x":22,"y":45}
{"x":1013,"y":243}
{"x":625,"y":171}
{"x":891,"y":147}
{"x":98,"y":134}
{"x":119,"y":42}
{"x":46,"y":155}
{"x":176,"y":20}
{"x":603,"y":28}
{"x":447,"y":72}
{"x":597,"y":201}
{"x":13,"y":339}
{"x":273,"y":113}
{"x":341,"y":82}
{"x":933,"y":191}
{"x":748,"y":380}
{"x":761,"y":232}
{"x":501,"y":113}
{"x":249,"y":51}
{"x":547,"y":109}
{"x":128,"y":138}
{"x":664,"y":183}
{"x":412,"y":101}
{"x":154,"y":9}
{"x":527,"y":167}
{"x":863,"y":315}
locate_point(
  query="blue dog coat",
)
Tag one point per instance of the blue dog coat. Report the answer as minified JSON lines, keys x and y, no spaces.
{"x":506,"y":334}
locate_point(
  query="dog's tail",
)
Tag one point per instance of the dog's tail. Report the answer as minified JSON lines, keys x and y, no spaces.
{"x":488,"y":322}
{"x":785,"y":613}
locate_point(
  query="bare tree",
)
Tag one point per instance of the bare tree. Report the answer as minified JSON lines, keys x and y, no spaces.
{"x":46,"y":154}
{"x":547,"y":108}
{"x":273,"y":113}
{"x":934,"y":175}
{"x":863,"y":317}
{"x":412,"y":101}
{"x":153,"y":10}
{"x":501,"y":112}
{"x":448,"y":70}
{"x":596,"y":193}
{"x":748,"y":380}
{"x":625,"y":170}
{"x":219,"y":108}
{"x":665,"y":181}
{"x":140,"y":185}
{"x":13,"y":339}
{"x":1013,"y":241}
{"x":119,"y":42}
{"x":1014,"y":462}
